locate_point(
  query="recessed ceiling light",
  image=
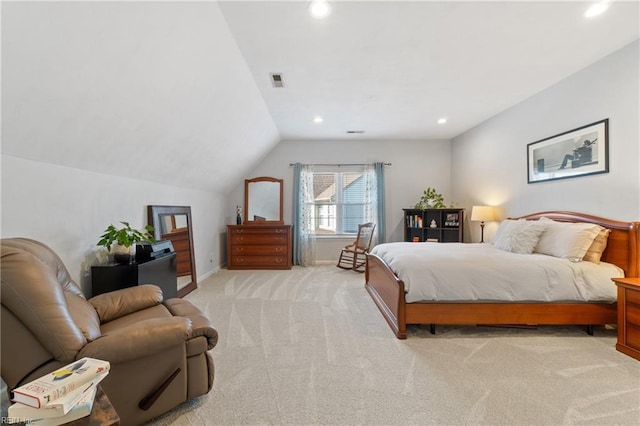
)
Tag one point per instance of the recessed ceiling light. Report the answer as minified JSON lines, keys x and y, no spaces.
{"x":442,"y":120}
{"x":596,"y":9}
{"x":319,"y":8}
{"x":318,"y":119}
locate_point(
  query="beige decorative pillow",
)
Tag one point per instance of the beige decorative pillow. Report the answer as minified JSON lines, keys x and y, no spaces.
{"x":518,"y":236}
{"x":594,"y":253}
{"x":566,"y":239}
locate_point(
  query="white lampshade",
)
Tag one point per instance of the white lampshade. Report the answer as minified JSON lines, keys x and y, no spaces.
{"x":483,"y":214}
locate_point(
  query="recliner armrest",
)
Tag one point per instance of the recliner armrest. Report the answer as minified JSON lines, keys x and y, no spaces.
{"x":138,"y":340}
{"x":201,"y":324}
{"x":119,"y":303}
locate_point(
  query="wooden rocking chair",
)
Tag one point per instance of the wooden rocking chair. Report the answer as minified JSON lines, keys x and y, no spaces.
{"x":354,"y":256}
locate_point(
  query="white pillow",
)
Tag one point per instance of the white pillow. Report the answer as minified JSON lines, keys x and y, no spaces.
{"x":566,"y":239}
{"x":503,"y":231}
{"x":518,"y":236}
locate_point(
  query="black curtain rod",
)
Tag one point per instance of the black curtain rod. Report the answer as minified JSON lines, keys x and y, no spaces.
{"x":347,"y":164}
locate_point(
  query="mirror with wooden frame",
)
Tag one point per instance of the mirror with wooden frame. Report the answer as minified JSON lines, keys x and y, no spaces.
{"x":173,"y":223}
{"x":263,"y":201}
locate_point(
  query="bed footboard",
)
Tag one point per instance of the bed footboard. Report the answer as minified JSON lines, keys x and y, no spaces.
{"x":387,"y":292}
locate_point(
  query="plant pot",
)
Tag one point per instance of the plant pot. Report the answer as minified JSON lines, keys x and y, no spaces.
{"x":123,"y":255}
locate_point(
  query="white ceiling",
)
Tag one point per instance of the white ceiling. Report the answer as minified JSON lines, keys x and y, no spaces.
{"x":394,"y":68}
{"x":179,"y":92}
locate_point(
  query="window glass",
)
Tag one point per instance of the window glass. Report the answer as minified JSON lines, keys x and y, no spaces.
{"x":338,"y":201}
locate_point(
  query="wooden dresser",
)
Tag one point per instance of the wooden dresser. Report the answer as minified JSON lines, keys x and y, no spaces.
{"x":259,"y":246}
{"x":628,"y":316}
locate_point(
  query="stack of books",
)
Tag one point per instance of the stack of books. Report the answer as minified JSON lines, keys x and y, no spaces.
{"x":65,"y":395}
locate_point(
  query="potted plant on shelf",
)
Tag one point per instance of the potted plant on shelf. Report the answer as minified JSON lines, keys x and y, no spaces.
{"x":430,"y":199}
{"x":123,"y":241}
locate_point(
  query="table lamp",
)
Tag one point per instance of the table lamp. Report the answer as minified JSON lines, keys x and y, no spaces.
{"x":482,"y":214}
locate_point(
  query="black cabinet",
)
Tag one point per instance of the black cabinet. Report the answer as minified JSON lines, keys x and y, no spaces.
{"x":161,"y":272}
{"x":436,"y":225}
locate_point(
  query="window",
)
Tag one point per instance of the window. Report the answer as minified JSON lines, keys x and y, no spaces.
{"x":333,"y":200}
{"x":339,"y":203}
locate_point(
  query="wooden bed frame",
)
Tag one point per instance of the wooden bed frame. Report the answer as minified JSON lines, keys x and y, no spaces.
{"x":388,"y":293}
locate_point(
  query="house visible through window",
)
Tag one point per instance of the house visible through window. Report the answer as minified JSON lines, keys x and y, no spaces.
{"x":339,"y":200}
{"x":332,"y":200}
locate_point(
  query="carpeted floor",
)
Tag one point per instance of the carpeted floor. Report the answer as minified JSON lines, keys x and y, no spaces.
{"x":309,"y":347}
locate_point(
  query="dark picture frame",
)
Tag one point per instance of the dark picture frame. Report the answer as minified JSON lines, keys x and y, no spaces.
{"x":452,"y":220}
{"x":579,"y":152}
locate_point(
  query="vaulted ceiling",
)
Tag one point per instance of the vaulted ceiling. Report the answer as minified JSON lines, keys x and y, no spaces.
{"x":393,"y":68}
{"x":180,"y":92}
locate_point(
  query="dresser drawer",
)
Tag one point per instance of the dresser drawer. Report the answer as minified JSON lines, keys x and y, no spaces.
{"x":259,"y":261}
{"x":255,"y":230}
{"x":633,"y":313}
{"x":246,"y":250}
{"x":633,"y":336}
{"x":259,"y":239}
{"x":632,"y":296}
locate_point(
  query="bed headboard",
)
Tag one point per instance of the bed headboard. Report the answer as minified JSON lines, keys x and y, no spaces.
{"x":623,"y":245}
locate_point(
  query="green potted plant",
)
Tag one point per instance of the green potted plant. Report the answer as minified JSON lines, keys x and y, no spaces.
{"x":431,"y":199}
{"x":123,"y":241}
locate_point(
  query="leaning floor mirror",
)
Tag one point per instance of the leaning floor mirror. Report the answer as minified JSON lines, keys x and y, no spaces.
{"x":174,"y":223}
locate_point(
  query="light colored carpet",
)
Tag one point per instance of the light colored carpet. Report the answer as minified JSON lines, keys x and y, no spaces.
{"x":308,"y":346}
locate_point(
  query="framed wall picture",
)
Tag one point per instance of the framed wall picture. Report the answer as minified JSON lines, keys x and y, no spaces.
{"x":578,"y":152}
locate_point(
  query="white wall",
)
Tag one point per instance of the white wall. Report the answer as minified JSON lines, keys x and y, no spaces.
{"x":490,"y":161}
{"x":107,"y":105}
{"x":68,"y":209}
{"x":416,"y":164}
{"x":84,"y":83}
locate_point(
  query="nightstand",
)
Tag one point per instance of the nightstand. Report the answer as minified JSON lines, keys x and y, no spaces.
{"x":628,"y":316}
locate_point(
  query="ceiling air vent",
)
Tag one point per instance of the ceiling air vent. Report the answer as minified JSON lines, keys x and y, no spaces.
{"x":276,"y":80}
{"x":355,"y":132}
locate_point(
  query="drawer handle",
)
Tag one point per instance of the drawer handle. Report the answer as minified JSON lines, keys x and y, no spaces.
{"x":279,"y":249}
{"x":239,"y":249}
{"x":278,"y":260}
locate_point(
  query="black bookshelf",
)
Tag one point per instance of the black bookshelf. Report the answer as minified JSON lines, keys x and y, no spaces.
{"x":434,"y":225}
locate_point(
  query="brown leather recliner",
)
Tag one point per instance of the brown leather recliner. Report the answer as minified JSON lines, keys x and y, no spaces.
{"x":47,"y":323}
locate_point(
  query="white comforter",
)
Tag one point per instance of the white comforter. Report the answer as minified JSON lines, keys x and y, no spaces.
{"x":457,"y":272}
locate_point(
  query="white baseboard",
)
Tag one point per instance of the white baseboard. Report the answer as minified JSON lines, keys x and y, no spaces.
{"x":208,"y":274}
{"x":326,"y":262}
